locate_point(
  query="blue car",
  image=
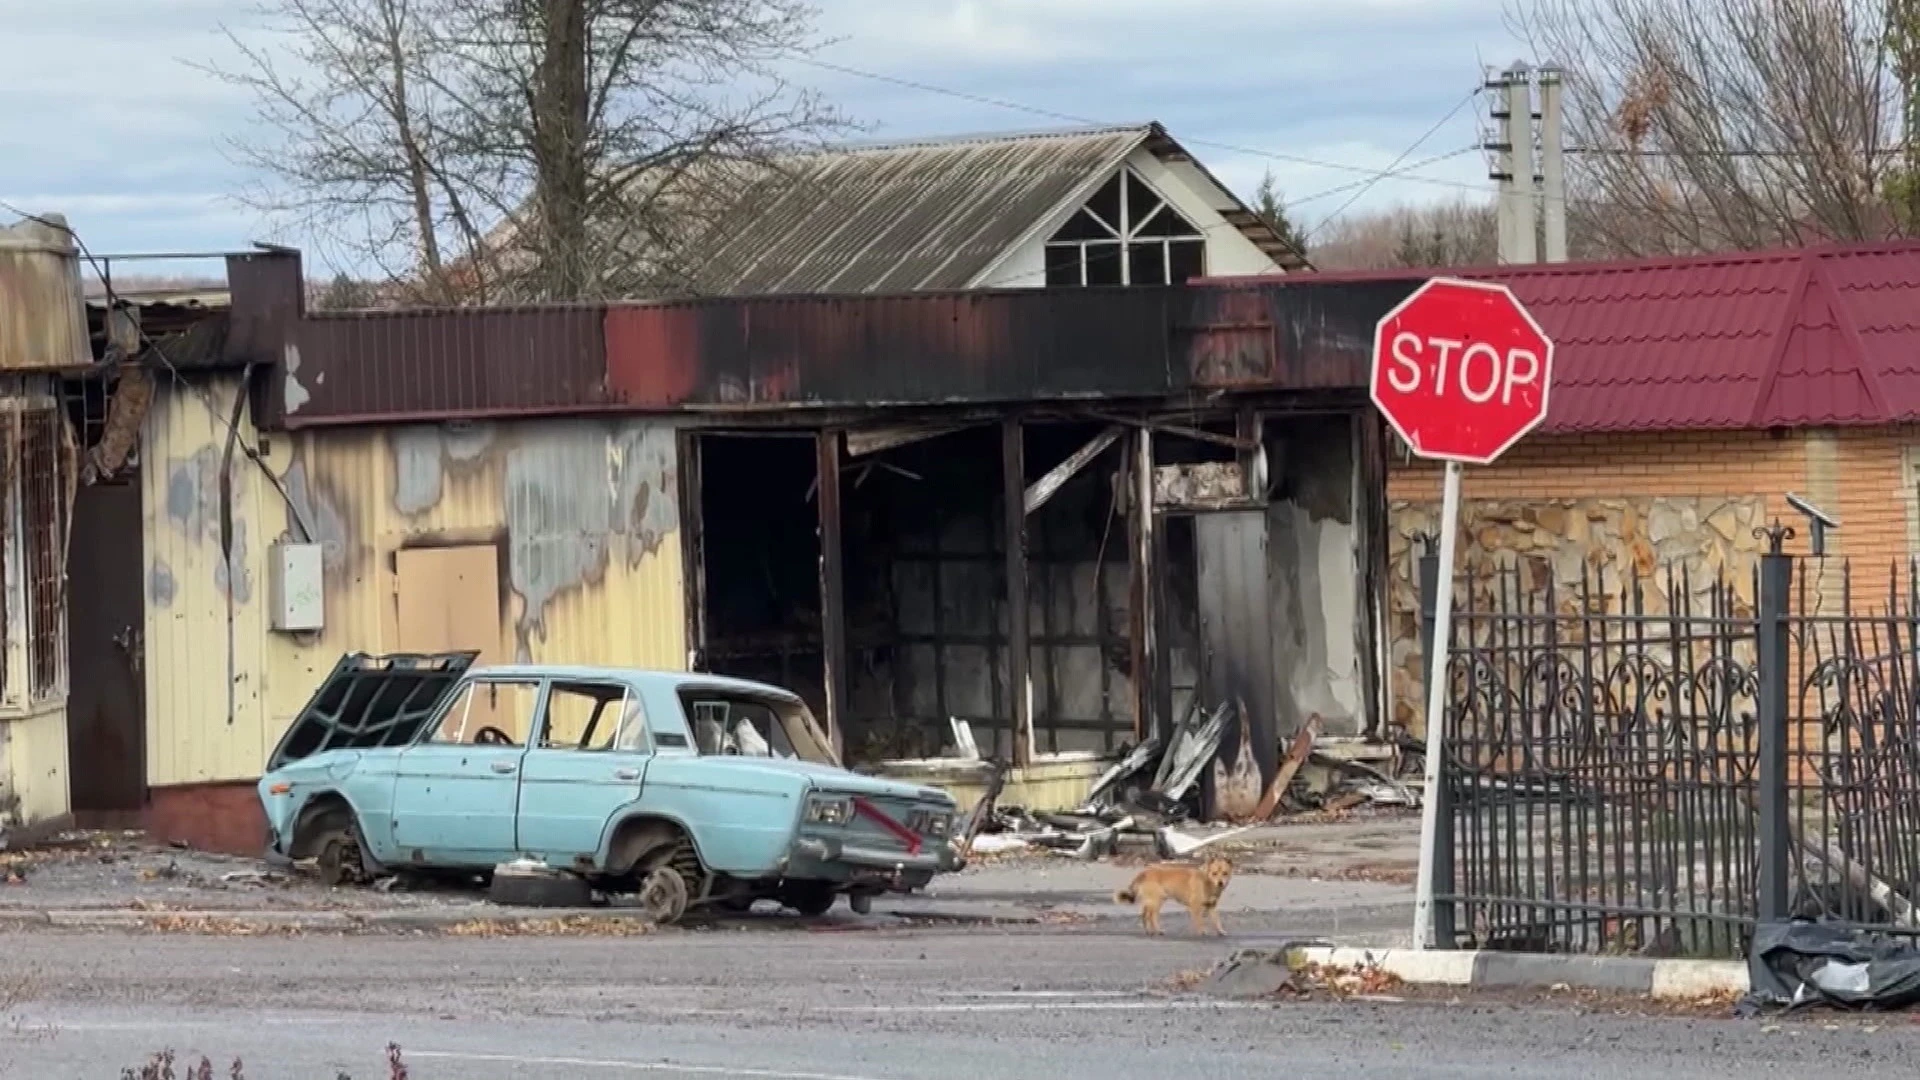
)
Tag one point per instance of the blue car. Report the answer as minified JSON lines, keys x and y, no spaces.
{"x":687,"y":790}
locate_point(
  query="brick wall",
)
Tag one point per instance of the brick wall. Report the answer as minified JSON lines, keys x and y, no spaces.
{"x":1624,"y":495}
{"x":1857,"y":475}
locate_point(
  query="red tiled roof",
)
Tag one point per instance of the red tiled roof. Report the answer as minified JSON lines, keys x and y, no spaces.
{"x":1823,"y":336}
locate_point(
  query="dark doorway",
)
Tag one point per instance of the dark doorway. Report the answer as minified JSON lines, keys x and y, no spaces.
{"x":759,"y":557}
{"x":106,"y":736}
{"x":926,"y":597}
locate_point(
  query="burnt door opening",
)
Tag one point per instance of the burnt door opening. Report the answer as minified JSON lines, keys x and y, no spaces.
{"x":759,"y":561}
{"x":926,"y":594}
{"x":106,"y":715}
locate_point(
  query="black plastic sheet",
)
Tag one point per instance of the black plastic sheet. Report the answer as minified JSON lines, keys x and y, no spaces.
{"x":1800,"y":964}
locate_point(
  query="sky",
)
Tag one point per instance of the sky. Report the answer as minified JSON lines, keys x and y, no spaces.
{"x":109,"y":121}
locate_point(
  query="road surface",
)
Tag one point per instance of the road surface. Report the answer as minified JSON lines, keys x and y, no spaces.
{"x":779,"y":1002}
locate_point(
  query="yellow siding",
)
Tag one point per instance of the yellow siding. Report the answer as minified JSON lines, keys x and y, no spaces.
{"x":36,"y":754}
{"x":585,"y":512}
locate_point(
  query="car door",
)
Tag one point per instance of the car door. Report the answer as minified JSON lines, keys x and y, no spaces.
{"x":457,"y":790}
{"x":588,"y":760}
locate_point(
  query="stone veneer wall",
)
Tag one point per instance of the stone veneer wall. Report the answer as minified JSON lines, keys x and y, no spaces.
{"x":1607,"y":539}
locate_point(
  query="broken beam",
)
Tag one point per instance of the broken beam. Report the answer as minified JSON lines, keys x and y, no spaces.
{"x":1297,"y":755}
{"x":1181,"y":430}
{"x":1049,"y":485}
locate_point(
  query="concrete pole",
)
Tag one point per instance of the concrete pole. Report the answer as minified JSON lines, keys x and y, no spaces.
{"x":1553,"y":165}
{"x":1518,"y":237}
{"x":1502,"y":165}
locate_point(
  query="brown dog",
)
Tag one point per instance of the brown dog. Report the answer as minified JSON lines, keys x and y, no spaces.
{"x":1197,"y":888}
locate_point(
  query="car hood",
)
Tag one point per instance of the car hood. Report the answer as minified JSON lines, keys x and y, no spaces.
{"x":836,"y":779}
{"x":368,"y":702}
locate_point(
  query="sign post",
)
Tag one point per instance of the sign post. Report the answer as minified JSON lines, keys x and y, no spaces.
{"x":1461,"y":372}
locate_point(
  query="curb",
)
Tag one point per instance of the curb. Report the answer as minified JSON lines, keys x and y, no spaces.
{"x":1662,"y":980}
{"x":402,"y":920}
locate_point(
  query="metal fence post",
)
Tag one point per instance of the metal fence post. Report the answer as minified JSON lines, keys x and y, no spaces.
{"x":1429,"y":569}
{"x":1776,"y":845}
{"x":1444,"y":927}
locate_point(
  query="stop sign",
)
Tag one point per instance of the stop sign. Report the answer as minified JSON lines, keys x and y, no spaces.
{"x":1461,"y":370}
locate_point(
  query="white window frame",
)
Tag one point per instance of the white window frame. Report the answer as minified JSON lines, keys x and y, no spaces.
{"x":1126,"y":235}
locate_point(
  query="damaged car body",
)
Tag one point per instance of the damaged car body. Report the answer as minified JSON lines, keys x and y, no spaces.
{"x":690,"y":790}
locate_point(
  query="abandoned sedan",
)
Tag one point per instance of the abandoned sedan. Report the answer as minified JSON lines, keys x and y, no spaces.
{"x":686,"y":789}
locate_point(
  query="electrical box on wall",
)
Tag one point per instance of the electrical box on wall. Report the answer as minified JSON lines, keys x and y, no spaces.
{"x":294,"y":580}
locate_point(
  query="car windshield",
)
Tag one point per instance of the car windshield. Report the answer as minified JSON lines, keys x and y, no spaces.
{"x":729,"y":723}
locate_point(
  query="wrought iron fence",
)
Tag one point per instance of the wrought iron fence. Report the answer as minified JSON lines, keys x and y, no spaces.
{"x":1652,"y":763}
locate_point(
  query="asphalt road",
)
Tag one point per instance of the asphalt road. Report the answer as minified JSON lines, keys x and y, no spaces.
{"x":785,"y":1003}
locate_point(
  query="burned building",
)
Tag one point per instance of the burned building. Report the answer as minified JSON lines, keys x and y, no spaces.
{"x":1061,"y":515}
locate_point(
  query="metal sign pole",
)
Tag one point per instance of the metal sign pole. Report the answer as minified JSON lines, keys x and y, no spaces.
{"x":1423,"y":935}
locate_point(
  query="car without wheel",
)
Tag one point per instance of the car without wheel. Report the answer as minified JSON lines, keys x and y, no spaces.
{"x":687,"y":790}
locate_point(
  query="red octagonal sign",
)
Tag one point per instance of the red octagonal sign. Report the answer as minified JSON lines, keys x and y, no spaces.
{"x":1461,"y":370}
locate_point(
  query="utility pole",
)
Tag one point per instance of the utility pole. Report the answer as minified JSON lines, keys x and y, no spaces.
{"x":1553,"y":165}
{"x":1513,"y":168}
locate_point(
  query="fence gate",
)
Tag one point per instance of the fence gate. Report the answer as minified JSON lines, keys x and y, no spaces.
{"x":1653,"y":764}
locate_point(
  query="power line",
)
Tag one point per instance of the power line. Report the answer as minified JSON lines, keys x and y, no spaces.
{"x":1728,"y":152}
{"x":1404,"y":154}
{"x":1034,"y":110}
{"x":206,"y":397}
{"x":1386,"y":174}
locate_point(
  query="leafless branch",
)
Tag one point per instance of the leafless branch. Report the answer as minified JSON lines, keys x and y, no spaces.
{"x":521,"y":149}
{"x":1704,"y":125}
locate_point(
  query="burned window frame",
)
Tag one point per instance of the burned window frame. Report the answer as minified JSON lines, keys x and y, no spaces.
{"x":1071,"y":250}
{"x":37,"y":477}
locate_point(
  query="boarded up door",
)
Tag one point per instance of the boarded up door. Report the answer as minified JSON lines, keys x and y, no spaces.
{"x":449,"y":601}
{"x":1236,"y":629}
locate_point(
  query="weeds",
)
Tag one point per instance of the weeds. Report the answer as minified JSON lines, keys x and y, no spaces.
{"x":165,"y":1066}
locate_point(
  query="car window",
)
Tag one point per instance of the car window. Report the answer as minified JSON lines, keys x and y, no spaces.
{"x":489,"y":712}
{"x":592,"y":716}
{"x":726,"y":724}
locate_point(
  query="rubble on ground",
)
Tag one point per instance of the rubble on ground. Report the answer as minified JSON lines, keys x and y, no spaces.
{"x":1260,"y":973}
{"x":1149,"y":800}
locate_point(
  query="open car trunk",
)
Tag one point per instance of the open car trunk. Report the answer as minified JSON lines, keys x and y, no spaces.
{"x":368,"y":702}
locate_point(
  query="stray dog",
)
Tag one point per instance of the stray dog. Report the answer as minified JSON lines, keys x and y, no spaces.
{"x":1197,"y":888}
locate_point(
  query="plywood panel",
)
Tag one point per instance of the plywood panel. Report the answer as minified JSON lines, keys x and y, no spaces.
{"x":449,"y":600}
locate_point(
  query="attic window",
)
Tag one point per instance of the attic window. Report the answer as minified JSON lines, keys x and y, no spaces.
{"x":1126,"y":234}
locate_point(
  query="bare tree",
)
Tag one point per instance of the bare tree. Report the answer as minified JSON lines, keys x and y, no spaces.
{"x":1456,"y":233}
{"x":1704,"y":125}
{"x":488,"y":150}
{"x":344,"y":293}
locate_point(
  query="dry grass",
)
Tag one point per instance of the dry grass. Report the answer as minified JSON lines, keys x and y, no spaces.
{"x":164,"y":1065}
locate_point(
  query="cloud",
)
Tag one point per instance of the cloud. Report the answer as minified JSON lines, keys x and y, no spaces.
{"x":107,"y":121}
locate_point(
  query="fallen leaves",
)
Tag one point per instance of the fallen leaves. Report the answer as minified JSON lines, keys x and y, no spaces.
{"x":1184,"y":981}
{"x":1060,"y":917}
{"x":569,"y":926}
{"x":217,"y":926}
{"x":1369,"y":981}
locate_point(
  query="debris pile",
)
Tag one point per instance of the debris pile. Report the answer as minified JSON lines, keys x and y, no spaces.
{"x":1150,"y":799}
{"x":1259,"y":973}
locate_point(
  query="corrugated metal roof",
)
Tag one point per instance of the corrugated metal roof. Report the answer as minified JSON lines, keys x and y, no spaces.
{"x":1801,"y":338}
{"x":916,"y":216}
{"x":907,"y":217}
